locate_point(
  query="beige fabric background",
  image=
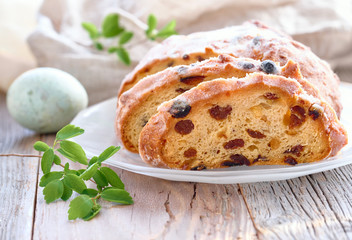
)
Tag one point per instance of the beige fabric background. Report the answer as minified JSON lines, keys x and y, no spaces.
{"x":17,"y":21}
{"x":59,"y":41}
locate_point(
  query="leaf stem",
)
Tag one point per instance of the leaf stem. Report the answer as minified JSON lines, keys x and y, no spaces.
{"x":97,"y":197}
{"x":19,"y":155}
{"x":94,"y":199}
{"x":54,"y":143}
{"x":31,"y":155}
{"x":63,"y":166}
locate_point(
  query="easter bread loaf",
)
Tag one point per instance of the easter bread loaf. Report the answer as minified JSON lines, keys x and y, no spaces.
{"x":242,"y":95}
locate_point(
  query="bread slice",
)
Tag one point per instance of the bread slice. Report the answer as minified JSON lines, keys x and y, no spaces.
{"x":258,"y":120}
{"x":251,"y":40}
{"x":138,"y":104}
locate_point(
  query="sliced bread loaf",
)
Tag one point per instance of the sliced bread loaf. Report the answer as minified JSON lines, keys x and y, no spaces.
{"x":138,"y":104}
{"x":259,"y":119}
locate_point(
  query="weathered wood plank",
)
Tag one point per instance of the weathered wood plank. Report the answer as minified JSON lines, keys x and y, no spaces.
{"x":317,"y":206}
{"x":162,"y":210}
{"x":18,"y":178}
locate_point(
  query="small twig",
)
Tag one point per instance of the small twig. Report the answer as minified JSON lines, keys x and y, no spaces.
{"x":63,"y":166}
{"x":30,"y":155}
{"x":96,"y":197}
{"x":19,"y":155}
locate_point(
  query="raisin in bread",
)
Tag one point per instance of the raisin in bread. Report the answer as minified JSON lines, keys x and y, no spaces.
{"x":260,"y":119}
{"x":251,"y":40}
{"x":138,"y":104}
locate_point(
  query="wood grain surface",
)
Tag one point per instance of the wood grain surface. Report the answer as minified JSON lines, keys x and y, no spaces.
{"x":317,"y":206}
{"x":18,"y":178}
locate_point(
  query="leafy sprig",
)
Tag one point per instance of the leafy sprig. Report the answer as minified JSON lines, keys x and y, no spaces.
{"x":61,"y":184}
{"x":111,"y":28}
{"x":165,"y":32}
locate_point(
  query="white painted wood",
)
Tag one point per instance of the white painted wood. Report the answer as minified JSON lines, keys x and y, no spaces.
{"x":313,"y":207}
{"x":18,"y":178}
{"x":162,"y":210}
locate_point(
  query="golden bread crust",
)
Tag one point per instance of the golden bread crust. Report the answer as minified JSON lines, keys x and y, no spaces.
{"x":154,"y":143}
{"x":250,"y":40}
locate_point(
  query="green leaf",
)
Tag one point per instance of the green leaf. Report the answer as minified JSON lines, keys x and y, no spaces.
{"x":74,"y":172}
{"x":117,"y":195}
{"x":152,"y":22}
{"x":53,"y":191}
{"x":112,"y":177}
{"x":99,"y":46}
{"x":47,"y":160}
{"x":75,"y":183}
{"x":69,"y":131}
{"x":125,"y":37}
{"x":73,"y":151}
{"x":41,"y":146}
{"x":123,"y":55}
{"x":89,"y":172}
{"x":168,"y":30}
{"x":80,"y":207}
{"x":80,"y":171}
{"x":164,"y":35}
{"x":100,"y":179}
{"x":91,"y":29}
{"x":95,"y":210}
{"x":169,"y":27}
{"x":109,"y":152}
{"x":90,"y":192}
{"x":67,"y":192}
{"x":112,"y":49}
{"x":66,"y":154}
{"x":57,"y":159}
{"x":69,"y":171}
{"x":111,"y":26}
{"x":47,"y":178}
{"x":93,"y":160}
{"x":67,"y":167}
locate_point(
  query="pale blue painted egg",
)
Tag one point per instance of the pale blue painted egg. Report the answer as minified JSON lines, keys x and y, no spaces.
{"x":45,"y":99}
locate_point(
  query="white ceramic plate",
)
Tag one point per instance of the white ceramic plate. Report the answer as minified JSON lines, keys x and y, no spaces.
{"x":98,"y":121}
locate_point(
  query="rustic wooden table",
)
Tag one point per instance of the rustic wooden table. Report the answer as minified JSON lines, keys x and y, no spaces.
{"x":317,"y":206}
